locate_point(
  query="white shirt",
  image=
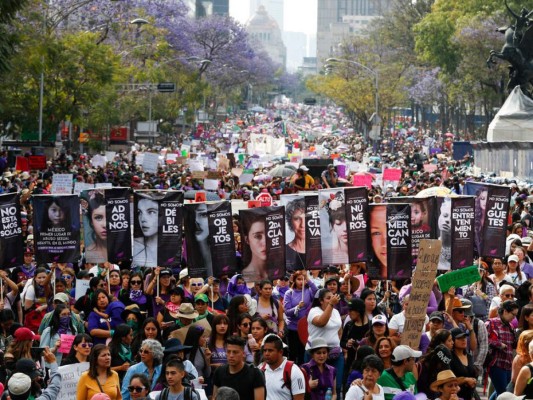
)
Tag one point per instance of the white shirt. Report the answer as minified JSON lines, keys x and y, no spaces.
{"x":356,"y":393}
{"x":275,"y":389}
{"x":329,"y":332}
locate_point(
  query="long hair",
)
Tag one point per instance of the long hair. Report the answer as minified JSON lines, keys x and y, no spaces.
{"x":140,"y":337}
{"x":525,"y":312}
{"x":233,"y":311}
{"x":79,"y":338}
{"x":47,"y":288}
{"x":64,"y":204}
{"x":54,"y":322}
{"x":240,"y":319}
{"x":440,"y":337}
{"x":96,"y":200}
{"x":217,"y":319}
{"x":194,"y":334}
{"x":93,"y":361}
{"x":319,"y":297}
{"x":247,"y":220}
{"x":121,"y":331}
{"x":94,"y":300}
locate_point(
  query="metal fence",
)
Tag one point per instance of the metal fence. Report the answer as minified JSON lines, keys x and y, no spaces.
{"x":505,"y":158}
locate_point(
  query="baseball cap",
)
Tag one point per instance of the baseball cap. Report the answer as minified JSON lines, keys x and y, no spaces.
{"x":62,"y":297}
{"x":25,"y":334}
{"x":457,"y":333}
{"x":513,"y":258}
{"x":469,"y":312}
{"x":436,"y":315}
{"x":184,"y":273}
{"x":27,"y":367}
{"x":19,"y":386}
{"x":165,"y":272}
{"x":201,"y":297}
{"x":403,"y":352}
{"x":304,"y":168}
{"x":379,"y":319}
{"x":458,"y":304}
{"x":331,"y":166}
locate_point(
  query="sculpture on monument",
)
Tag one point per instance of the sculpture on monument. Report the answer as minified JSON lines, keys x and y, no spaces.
{"x":518,"y":51}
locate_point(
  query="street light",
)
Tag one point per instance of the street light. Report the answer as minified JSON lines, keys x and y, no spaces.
{"x":369,"y":70}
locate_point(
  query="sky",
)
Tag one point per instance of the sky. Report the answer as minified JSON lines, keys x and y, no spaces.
{"x":299,"y":15}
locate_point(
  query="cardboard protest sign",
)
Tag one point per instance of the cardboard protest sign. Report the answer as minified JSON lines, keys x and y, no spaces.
{"x":62,"y":184}
{"x":422,"y":284}
{"x":70,"y":375}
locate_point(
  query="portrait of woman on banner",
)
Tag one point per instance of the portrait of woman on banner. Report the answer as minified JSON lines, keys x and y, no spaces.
{"x":255,"y":258}
{"x":295,"y":249}
{"x":93,"y":205}
{"x":337,"y":253}
{"x":482,"y":195}
{"x":196,"y":224}
{"x":378,"y":240}
{"x":445,"y":233}
{"x":146,"y":228}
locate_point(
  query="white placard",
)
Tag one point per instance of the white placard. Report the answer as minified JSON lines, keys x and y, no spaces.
{"x":150,"y":162}
{"x":211,"y":184}
{"x":103,"y":185}
{"x":195,"y":165}
{"x":172,"y":157}
{"x":245,"y":178}
{"x":62,"y":184}
{"x":70,"y":375}
{"x":98,"y":161}
{"x":82,"y":285}
{"x":110,"y":156}
{"x":139,"y":159}
{"x":79,"y":186}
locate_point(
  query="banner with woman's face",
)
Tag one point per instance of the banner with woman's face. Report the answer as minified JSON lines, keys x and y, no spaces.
{"x":491,"y":209}
{"x":106,"y":224}
{"x":302,"y":227}
{"x":390,"y":239}
{"x":11,"y":241}
{"x":157,"y":228}
{"x":263,"y":238}
{"x":209,"y":239}
{"x":333,"y":227}
{"x":56,"y":228}
{"x":423,"y":221}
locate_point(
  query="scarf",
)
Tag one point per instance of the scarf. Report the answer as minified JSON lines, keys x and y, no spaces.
{"x":64,"y":325}
{"x":124,"y":352}
{"x":29,"y":271}
{"x":137,"y":296}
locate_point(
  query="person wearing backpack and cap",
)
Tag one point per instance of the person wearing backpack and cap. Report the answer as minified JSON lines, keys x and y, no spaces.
{"x":20,"y":384}
{"x":284,"y":379}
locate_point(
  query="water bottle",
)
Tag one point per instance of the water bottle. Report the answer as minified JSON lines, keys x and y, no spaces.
{"x":329,"y":394}
{"x":251,"y":340}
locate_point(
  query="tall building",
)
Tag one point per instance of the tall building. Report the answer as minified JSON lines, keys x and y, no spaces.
{"x":221,"y":7}
{"x":202,"y":8}
{"x":264,"y":28}
{"x":338,"y":19}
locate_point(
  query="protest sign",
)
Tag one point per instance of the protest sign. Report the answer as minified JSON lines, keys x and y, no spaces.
{"x":399,"y":256}
{"x":70,"y":375}
{"x":458,"y":278}
{"x":424,"y":276}
{"x":11,"y":241}
{"x":22,"y":164}
{"x":392,"y":174}
{"x":37,"y":162}
{"x":110,"y":156}
{"x":62,"y":184}
{"x":356,"y":223}
{"x":362,"y":180}
{"x":66,"y":343}
{"x":462,"y":223}
{"x":150,"y":162}
{"x":333,"y":231}
{"x":98,"y":161}
{"x":57,"y":228}
{"x":82,"y":286}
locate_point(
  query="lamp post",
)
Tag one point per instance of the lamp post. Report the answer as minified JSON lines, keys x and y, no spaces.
{"x":369,"y":70}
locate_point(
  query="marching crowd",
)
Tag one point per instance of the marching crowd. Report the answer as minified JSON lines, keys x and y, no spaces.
{"x":317,"y":334}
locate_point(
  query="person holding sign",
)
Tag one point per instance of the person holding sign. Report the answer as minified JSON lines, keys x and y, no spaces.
{"x":60,"y":324}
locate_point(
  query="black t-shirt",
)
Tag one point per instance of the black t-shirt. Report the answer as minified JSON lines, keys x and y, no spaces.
{"x":244,"y":381}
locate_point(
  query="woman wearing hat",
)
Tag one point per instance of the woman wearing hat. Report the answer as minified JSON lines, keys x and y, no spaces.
{"x":161,"y":295}
{"x":321,"y":375}
{"x":429,"y":366}
{"x":377,"y":330}
{"x":447,"y":385}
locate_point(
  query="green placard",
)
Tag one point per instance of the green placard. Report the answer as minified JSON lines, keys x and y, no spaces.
{"x":458,"y":278}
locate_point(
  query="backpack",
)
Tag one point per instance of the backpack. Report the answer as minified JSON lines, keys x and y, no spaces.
{"x":287,"y":378}
{"x":187,"y":393}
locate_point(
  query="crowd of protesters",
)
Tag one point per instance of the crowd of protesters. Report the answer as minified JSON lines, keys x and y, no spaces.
{"x":312,"y":334}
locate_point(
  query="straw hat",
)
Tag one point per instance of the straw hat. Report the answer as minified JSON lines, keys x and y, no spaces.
{"x":445,"y":377}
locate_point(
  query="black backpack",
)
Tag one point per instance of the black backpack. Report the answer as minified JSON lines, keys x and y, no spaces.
{"x":187,"y":393}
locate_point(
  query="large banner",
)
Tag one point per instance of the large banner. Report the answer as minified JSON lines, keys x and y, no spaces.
{"x":106,"y":224}
{"x":157,"y":228}
{"x":390,"y":240}
{"x":423,"y":220}
{"x":333,"y":230}
{"x":357,"y":225}
{"x":492,"y":208}
{"x":11,"y":241}
{"x":456,"y":231}
{"x":56,"y":228}
{"x":209,"y":239}
{"x":263,"y":240}
{"x":302,"y":240}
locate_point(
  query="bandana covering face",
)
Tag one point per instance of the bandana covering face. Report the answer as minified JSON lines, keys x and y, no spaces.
{"x":137,"y":296}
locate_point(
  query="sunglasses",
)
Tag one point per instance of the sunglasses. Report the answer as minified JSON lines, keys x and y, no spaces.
{"x":508,"y":296}
{"x":136,"y":389}
{"x":86,"y":345}
{"x":135,"y":282}
{"x":66,"y":277}
{"x":246,"y":324}
{"x":144,"y":351}
{"x":197,"y":284}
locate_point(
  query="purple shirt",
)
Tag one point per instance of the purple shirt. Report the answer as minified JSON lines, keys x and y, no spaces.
{"x":432,"y":305}
{"x":326,"y":379}
{"x":291,"y":300}
{"x":527,"y":269}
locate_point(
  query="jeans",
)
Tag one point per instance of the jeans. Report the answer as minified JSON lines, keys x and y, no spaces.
{"x":500,"y":378}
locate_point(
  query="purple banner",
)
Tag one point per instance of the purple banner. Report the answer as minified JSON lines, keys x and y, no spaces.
{"x":357,"y":227}
{"x":11,"y":241}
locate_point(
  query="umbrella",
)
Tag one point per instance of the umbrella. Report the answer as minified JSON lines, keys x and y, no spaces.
{"x":411,"y":139}
{"x":283,"y":171}
{"x":262,"y":177}
{"x":258,"y":109}
{"x":375,"y":158}
{"x":440,"y":191}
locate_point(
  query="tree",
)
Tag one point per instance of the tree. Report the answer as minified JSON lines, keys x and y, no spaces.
{"x":8,"y":36}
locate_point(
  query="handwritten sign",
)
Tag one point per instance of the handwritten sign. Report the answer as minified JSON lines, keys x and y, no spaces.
{"x":198,"y":174}
{"x":423,"y":278}
{"x":66,"y":343}
{"x":70,"y":375}
{"x":62,"y":184}
{"x":150,"y":162}
{"x":458,"y":278}
{"x":82,"y":285}
{"x":362,"y":180}
{"x":392,"y":174}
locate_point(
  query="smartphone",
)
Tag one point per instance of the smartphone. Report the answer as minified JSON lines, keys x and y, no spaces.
{"x":37,"y":352}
